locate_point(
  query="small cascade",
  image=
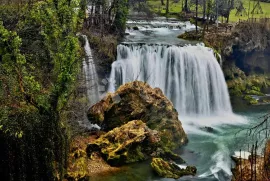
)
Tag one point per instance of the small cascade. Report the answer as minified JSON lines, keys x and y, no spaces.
{"x":190,"y":76}
{"x":89,"y":70}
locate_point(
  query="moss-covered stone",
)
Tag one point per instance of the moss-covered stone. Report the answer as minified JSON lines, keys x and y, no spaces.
{"x":170,"y":169}
{"x":250,"y":100}
{"x":250,"y":85}
{"x":138,"y":101}
{"x":129,"y":143}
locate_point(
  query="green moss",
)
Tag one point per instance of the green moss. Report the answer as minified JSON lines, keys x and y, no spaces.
{"x":244,"y":87}
{"x":254,"y":92}
{"x":129,"y":143}
{"x":170,"y":169}
{"x":250,"y":100}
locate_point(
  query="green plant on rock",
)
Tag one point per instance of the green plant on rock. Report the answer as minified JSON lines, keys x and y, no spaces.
{"x":170,"y":169}
{"x":250,"y":100}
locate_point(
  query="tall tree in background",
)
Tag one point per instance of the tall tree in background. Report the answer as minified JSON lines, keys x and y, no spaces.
{"x":196,"y":16}
{"x":186,"y":9}
{"x":167,"y":7}
{"x":162,"y":2}
{"x":38,"y":68}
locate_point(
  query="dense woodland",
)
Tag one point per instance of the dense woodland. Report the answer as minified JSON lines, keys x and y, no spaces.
{"x":40,"y":57}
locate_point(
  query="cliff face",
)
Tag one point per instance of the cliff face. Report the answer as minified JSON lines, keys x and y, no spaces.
{"x":248,"y":47}
{"x":245,"y":52}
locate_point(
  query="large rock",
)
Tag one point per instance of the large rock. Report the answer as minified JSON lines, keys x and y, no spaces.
{"x":170,"y":169}
{"x":138,"y":101}
{"x":129,"y":143}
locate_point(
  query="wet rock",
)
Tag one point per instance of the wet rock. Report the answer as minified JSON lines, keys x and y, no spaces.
{"x":248,"y":88}
{"x":129,"y":143}
{"x":250,"y":100}
{"x":170,"y":169}
{"x":138,"y":101}
{"x":209,"y":129}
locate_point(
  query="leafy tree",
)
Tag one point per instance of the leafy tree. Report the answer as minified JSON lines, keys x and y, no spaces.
{"x":35,"y":89}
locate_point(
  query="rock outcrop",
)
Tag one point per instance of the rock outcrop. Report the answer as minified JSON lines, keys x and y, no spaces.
{"x":129,"y":143}
{"x":138,"y":101}
{"x":170,"y":169}
{"x":248,"y":87}
{"x":247,"y":46}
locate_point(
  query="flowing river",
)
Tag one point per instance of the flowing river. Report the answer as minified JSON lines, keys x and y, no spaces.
{"x":191,"y":77}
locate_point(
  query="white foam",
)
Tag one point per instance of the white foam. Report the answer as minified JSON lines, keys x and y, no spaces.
{"x":182,"y":166}
{"x":193,"y":124}
{"x":242,"y":154}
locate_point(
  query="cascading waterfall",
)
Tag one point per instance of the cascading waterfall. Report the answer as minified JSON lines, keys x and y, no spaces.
{"x":190,"y":76}
{"x":90,"y":73}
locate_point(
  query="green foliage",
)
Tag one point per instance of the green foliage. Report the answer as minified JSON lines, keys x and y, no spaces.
{"x":121,"y":16}
{"x":38,"y":67}
{"x":250,"y":100}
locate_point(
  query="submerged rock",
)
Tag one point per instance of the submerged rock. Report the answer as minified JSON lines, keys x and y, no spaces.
{"x":138,"y":101}
{"x":170,"y":169}
{"x":129,"y":143}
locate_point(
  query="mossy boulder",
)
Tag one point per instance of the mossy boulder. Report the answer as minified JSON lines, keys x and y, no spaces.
{"x":170,"y":169}
{"x":248,"y":86}
{"x":129,"y":143}
{"x":138,"y":101}
{"x":250,"y":100}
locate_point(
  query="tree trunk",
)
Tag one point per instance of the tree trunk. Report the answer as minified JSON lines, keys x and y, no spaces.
{"x":204,"y":9}
{"x":162,"y":2}
{"x":167,"y":7}
{"x":197,"y":17}
{"x":186,"y":6}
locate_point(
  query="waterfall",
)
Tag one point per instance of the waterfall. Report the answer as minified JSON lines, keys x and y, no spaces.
{"x":91,"y":77}
{"x":189,"y":76}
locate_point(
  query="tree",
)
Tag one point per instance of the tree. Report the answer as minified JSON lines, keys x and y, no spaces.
{"x":35,"y":89}
{"x":186,"y":9}
{"x":167,"y":7}
{"x":196,"y":16}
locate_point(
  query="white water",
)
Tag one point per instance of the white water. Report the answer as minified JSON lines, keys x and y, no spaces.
{"x":90,"y":73}
{"x":189,"y":76}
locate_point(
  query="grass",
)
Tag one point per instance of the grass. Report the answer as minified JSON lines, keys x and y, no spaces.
{"x":265,"y":8}
{"x":176,"y":8}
